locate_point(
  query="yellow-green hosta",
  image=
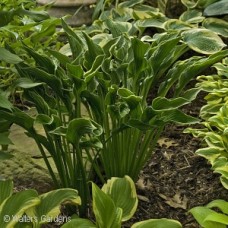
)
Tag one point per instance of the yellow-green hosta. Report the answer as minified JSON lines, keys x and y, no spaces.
{"x":31,"y":208}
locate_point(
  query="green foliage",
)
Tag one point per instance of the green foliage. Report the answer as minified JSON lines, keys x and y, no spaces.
{"x":31,"y":208}
{"x":23,"y":22}
{"x":217,"y":8}
{"x":115,"y":203}
{"x":209,"y":218}
{"x":215,"y":116}
{"x":91,"y":95}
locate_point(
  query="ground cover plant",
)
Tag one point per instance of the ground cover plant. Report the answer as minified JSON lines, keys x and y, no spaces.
{"x":91,"y":96}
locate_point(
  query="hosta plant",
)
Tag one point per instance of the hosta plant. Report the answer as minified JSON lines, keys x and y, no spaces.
{"x":28,"y":209}
{"x":116,"y":203}
{"x":215,"y":118}
{"x":209,"y":218}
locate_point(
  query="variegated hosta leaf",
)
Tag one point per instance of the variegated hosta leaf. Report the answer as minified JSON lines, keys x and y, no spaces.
{"x":197,"y":3}
{"x":216,"y":25}
{"x":221,"y":204}
{"x":79,"y":127}
{"x":203,"y":41}
{"x":123,"y":193}
{"x":192,"y":16}
{"x":157,"y":223}
{"x":79,"y":222}
{"x":106,"y":213}
{"x":6,"y":189}
{"x":209,"y":218}
{"x":49,"y":207}
{"x":217,"y":8}
{"x":175,"y":24}
{"x":21,"y":201}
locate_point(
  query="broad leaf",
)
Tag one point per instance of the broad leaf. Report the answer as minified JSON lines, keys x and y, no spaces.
{"x":50,"y":203}
{"x":216,"y":25}
{"x":6,"y":189}
{"x":127,"y":200}
{"x":79,"y":127}
{"x":221,"y":204}
{"x":203,"y":41}
{"x":106,"y":213}
{"x":9,"y":57}
{"x":22,"y":201}
{"x":4,"y":102}
{"x":80,"y":223}
{"x":217,"y":8}
{"x":157,"y":223}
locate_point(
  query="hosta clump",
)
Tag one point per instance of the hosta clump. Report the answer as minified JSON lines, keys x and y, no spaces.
{"x":215,"y":120}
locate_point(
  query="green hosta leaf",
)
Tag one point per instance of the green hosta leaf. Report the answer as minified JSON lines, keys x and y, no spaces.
{"x":9,"y":57}
{"x":4,"y":102}
{"x":4,"y":139}
{"x":221,"y":204}
{"x":63,"y":59}
{"x":37,"y":16}
{"x":106,"y":213}
{"x":139,"y":63}
{"x":161,"y":55}
{"x":6,"y":17}
{"x":210,"y":153}
{"x":26,"y":83}
{"x":192,"y":16}
{"x":220,"y":219}
{"x":162,"y":4}
{"x":224,"y":182}
{"x":18,"y":117}
{"x":118,"y":28}
{"x":203,"y":41}
{"x":130,"y":3}
{"x":127,"y":200}
{"x":151,"y":23}
{"x":50,"y":203}
{"x":41,"y":61}
{"x":197,"y":3}
{"x":91,"y":143}
{"x":91,"y":54}
{"x":178,"y":117}
{"x":79,"y":127}
{"x":164,"y":104}
{"x":201,"y":214}
{"x":158,"y":223}
{"x":6,"y":189}
{"x":175,"y":24}
{"x":22,"y":202}
{"x":132,"y":100}
{"x":216,"y":25}
{"x":217,"y":8}
{"x":80,"y":223}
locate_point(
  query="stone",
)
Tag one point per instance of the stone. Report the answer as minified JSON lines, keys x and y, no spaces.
{"x":62,"y":8}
